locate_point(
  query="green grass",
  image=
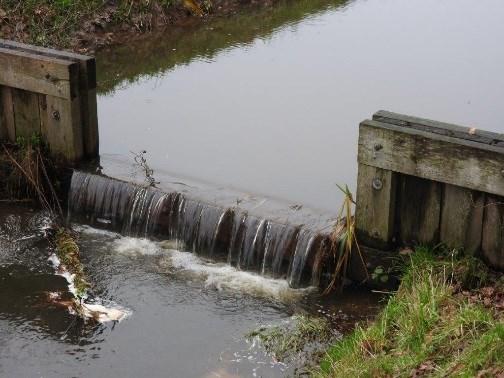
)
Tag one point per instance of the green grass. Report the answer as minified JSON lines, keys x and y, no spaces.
{"x":427,"y":327}
{"x":56,"y":23}
{"x":282,"y":342}
{"x":46,"y":22}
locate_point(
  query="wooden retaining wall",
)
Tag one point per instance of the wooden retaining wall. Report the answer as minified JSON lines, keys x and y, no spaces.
{"x":50,"y":93}
{"x":428,"y":182}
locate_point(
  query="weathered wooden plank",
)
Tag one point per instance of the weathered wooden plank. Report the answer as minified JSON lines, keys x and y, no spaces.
{"x":375,"y":209}
{"x":87,"y":85}
{"x":42,"y":102}
{"x":462,"y":218}
{"x":90,"y":132}
{"x":62,"y":128}
{"x":492,"y":248}
{"x":419,"y":210}
{"x":3,"y":122}
{"x":39,"y":74}
{"x":26,"y":113}
{"x":7,"y":113}
{"x":89,"y":61}
{"x":435,"y":157}
{"x":441,"y":128}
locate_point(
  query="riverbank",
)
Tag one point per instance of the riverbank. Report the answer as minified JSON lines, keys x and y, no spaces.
{"x":446,"y":319}
{"x":86,"y":26}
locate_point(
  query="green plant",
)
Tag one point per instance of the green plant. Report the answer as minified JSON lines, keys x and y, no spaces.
{"x":427,"y":328}
{"x":283,"y":341}
{"x":344,"y":241}
{"x":68,"y":252}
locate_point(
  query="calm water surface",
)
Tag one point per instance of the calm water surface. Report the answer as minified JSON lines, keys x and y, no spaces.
{"x":269,"y":102}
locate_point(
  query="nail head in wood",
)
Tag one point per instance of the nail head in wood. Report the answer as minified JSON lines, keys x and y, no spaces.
{"x":377,"y":183}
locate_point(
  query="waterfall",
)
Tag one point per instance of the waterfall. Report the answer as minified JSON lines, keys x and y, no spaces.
{"x":244,"y":240}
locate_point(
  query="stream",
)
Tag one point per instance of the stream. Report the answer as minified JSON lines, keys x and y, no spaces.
{"x":186,"y":316}
{"x":267,"y":104}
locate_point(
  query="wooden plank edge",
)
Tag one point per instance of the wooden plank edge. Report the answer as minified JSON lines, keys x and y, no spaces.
{"x":494,"y":153}
{"x":88,"y":61}
{"x":54,"y":71}
{"x":442,"y":128}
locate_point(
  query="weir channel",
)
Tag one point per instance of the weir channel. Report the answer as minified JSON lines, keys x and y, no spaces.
{"x":248,"y":123}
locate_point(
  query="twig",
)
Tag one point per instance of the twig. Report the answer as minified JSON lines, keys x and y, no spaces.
{"x":41,"y":195}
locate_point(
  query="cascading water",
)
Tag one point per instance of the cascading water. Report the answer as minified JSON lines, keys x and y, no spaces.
{"x":245,"y":241}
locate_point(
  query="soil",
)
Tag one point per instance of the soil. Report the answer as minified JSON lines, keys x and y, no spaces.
{"x":102,"y":29}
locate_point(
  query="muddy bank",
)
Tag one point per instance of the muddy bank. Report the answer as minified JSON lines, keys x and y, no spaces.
{"x":86,"y":26}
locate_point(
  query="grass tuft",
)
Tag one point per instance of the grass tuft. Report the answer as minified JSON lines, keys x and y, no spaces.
{"x":284,"y":341}
{"x":427,"y":328}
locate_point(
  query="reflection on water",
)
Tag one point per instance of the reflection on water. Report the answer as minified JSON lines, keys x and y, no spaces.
{"x":270,"y":102}
{"x":189,"y":316}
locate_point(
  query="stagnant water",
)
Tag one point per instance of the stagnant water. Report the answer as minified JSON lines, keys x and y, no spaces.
{"x":269,"y":101}
{"x":188,"y":316}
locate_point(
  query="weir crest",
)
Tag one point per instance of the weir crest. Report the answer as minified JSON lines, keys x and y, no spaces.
{"x":233,"y":235}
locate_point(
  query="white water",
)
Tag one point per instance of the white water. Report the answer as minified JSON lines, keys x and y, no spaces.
{"x":100,"y":311}
{"x":219,"y":276}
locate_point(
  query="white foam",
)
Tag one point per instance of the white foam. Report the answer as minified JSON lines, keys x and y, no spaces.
{"x":97,"y":309}
{"x":223,"y":276}
{"x":219,"y":276}
{"x":128,"y":245}
{"x":94,"y":231}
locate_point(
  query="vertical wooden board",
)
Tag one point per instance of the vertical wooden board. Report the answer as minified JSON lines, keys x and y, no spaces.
{"x":62,"y":128}
{"x":42,"y":100}
{"x":87,"y":89}
{"x":375,"y":210}
{"x":3,"y":123}
{"x":26,"y":113}
{"x":462,"y":218}
{"x":492,"y":246}
{"x":419,"y":210}
{"x":7,"y":114}
{"x":90,"y":126}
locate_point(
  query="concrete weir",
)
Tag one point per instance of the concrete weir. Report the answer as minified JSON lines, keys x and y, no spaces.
{"x":419,"y":182}
{"x":249,"y":241}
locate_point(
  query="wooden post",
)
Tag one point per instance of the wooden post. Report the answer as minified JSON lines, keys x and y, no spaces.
{"x":51,"y":93}
{"x":419,"y":210}
{"x":493,"y":232}
{"x":87,"y":90}
{"x":7,"y":126}
{"x":443,"y":183}
{"x":462,"y":218}
{"x":375,"y":211}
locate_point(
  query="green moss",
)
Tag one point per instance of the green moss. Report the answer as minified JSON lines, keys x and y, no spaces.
{"x":427,"y":327}
{"x":67,"y":251}
{"x":283,"y":341}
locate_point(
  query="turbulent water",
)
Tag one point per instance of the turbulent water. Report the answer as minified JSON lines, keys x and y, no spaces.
{"x":232,"y":235}
{"x":188,"y":315}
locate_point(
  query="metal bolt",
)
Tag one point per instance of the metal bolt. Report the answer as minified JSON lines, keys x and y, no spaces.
{"x":378,"y":147}
{"x":56,"y":115}
{"x":377,"y":183}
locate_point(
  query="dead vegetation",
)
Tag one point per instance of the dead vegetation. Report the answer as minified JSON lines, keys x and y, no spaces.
{"x":29,"y":176}
{"x":87,"y":25}
{"x":343,"y":242}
